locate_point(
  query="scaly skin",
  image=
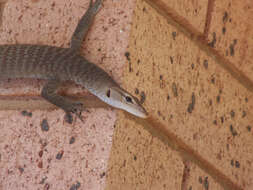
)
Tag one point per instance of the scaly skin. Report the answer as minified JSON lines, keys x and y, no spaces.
{"x":48,"y":62}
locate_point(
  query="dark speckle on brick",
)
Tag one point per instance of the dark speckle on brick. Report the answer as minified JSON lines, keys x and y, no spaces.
{"x":192,"y":66}
{"x":213,"y":42}
{"x":246,"y":100}
{"x":218,"y":99}
{"x":200,"y":180}
{"x":44,"y":125}
{"x":127,"y":54}
{"x":244,"y":114}
{"x":237,"y":164}
{"x":102,"y":175}
{"x":136,"y":91}
{"x":223,"y":30}
{"x":135,"y":158}
{"x":213,"y":80}
{"x":59,"y":155}
{"x":174,"y":34}
{"x":174,"y":89}
{"x":162,"y":82}
{"x":232,"y":113}
{"x":75,"y":186}
{"x":233,"y":131}
{"x":143,"y":97}
{"x":231,"y":49}
{"x":168,"y":97}
{"x":171,"y":59}
{"x":138,"y":61}
{"x":40,"y":153}
{"x":215,"y":122}
{"x":206,"y":183}
{"x":40,"y":164}
{"x":225,"y":17}
{"x":72,"y":140}
{"x":160,"y":114}
{"x":192,"y":104}
{"x":68,"y":118}
{"x":205,"y":63}
{"x":130,"y":69}
{"x":26,"y":113}
{"x":222,"y":119}
{"x":248,"y":128}
{"x":232,"y":163}
{"x":21,"y":170}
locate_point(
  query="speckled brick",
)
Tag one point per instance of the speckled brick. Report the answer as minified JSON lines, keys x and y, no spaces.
{"x":233,"y":29}
{"x":193,"y":11}
{"x":141,"y":161}
{"x":193,"y":97}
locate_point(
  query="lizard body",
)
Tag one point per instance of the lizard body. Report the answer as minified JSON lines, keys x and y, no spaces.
{"x":58,"y":65}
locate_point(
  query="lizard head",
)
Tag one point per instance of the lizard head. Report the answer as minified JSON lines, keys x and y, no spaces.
{"x":119,"y":98}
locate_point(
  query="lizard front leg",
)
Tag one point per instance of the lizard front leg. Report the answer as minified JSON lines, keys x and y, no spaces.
{"x":84,"y":25}
{"x":49,"y":92}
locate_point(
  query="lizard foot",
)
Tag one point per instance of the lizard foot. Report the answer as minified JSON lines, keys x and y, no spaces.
{"x":96,"y":5}
{"x":76,"y":109}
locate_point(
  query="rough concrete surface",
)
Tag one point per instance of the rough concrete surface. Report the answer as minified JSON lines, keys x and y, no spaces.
{"x":192,"y":97}
{"x":39,"y":149}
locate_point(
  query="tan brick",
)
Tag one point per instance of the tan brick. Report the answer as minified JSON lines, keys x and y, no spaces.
{"x":193,"y":11}
{"x":198,"y":179}
{"x":141,"y":161}
{"x":196,"y":99}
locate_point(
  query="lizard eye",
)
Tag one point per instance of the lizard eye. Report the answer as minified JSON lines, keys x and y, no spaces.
{"x":129,"y":99}
{"x":108,"y":93}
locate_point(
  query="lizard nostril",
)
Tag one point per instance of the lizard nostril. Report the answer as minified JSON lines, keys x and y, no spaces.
{"x":108,"y":93}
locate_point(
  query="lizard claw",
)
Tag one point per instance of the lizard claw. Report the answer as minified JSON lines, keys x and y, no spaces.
{"x":77,"y":109}
{"x":96,"y":5}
